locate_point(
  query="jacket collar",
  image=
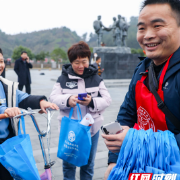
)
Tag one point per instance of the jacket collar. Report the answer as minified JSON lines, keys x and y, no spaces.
{"x":10,"y":91}
{"x":88,"y":72}
{"x":74,"y":77}
{"x":5,"y":86}
{"x":173,"y":67}
{"x":174,"y":64}
{"x":21,"y":60}
{"x":144,"y":65}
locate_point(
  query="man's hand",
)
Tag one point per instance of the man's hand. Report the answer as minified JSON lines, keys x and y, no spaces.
{"x":114,"y":142}
{"x":73,"y":100}
{"x":27,"y":59}
{"x":44,"y":104}
{"x":108,"y":170}
{"x":86,"y":101}
{"x":11,"y":112}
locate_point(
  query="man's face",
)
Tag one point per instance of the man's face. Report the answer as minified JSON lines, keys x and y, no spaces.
{"x":79,"y":64}
{"x":2,"y":65}
{"x":24,"y":55}
{"x":158,"y":32}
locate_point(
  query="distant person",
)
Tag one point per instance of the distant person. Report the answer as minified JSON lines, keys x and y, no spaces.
{"x":94,"y":58}
{"x":21,"y":67}
{"x":103,"y":44}
{"x":8,"y":62}
{"x":97,"y":64}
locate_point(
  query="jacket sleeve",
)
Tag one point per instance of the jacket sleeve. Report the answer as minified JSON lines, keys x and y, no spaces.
{"x":112,"y":158}
{"x":2,"y":109}
{"x":16,"y":67}
{"x":100,"y":103}
{"x":58,"y":98}
{"x":19,"y":97}
{"x":29,"y":65}
{"x":25,"y":100}
{"x":178,"y":139}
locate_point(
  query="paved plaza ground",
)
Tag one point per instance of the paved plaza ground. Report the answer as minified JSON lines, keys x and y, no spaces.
{"x":42,"y":85}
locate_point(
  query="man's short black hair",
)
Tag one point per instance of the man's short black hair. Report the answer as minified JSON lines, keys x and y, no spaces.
{"x":97,"y":58}
{"x":23,"y":52}
{"x":175,"y":6}
{"x":1,"y":51}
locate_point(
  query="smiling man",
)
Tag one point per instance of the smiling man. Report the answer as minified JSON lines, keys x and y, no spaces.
{"x":159,"y":36}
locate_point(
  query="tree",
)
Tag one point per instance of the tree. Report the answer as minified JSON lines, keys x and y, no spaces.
{"x":58,"y":54}
{"x":41,"y":56}
{"x":84,"y":37}
{"x":137,"y":51}
{"x":91,"y":49}
{"x":140,"y":51}
{"x":132,"y":31}
{"x":90,"y":35}
{"x":17,"y":52}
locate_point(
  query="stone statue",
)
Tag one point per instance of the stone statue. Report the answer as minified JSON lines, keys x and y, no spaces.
{"x":99,"y":28}
{"x":118,"y":31}
{"x":125,"y":27}
{"x":119,"y":28}
{"x":114,"y":28}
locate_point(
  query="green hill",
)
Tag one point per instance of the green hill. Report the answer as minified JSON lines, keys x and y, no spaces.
{"x":48,"y":40}
{"x":45,"y":40}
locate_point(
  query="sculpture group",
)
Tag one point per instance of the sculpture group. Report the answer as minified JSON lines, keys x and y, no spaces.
{"x":119,"y":28}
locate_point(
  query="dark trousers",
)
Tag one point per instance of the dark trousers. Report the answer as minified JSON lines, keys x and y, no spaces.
{"x":28,"y":88}
{"x":4,"y":173}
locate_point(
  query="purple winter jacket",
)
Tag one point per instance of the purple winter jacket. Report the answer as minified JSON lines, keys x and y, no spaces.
{"x":69,"y":84}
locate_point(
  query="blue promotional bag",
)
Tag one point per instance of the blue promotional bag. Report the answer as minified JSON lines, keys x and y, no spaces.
{"x":16,"y":155}
{"x":147,"y":152}
{"x":74,"y":140}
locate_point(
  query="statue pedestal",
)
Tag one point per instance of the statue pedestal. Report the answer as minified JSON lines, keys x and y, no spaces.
{"x":118,"y":62}
{"x":121,"y":50}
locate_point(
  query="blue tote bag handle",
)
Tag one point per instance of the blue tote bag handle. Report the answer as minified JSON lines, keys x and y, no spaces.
{"x":21,"y":121}
{"x":78,"y":112}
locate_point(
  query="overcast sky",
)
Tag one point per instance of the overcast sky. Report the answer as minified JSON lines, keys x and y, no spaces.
{"x":78,"y":15}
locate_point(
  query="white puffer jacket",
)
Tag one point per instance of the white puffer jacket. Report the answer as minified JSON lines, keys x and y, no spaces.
{"x":69,"y":84}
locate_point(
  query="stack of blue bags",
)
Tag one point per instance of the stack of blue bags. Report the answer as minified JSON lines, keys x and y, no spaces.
{"x":147,"y":152}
